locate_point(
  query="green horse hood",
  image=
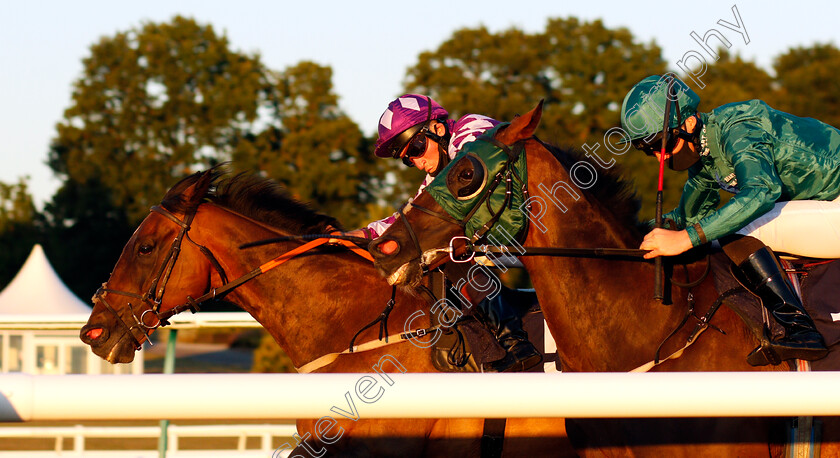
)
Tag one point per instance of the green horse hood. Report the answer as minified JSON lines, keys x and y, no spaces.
{"x":498,"y":196}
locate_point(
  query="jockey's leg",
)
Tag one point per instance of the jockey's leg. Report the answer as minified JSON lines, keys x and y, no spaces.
{"x":499,"y":315}
{"x":761,"y":273}
{"x":807,"y":228}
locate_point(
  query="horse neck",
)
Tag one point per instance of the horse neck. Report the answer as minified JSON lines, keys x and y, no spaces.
{"x":312,"y":304}
{"x":602,"y":309}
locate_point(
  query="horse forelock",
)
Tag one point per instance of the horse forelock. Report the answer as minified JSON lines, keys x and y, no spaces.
{"x":611,"y":189}
{"x":250,"y":195}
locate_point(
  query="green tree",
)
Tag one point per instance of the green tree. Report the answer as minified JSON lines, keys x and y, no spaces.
{"x":581,"y":69}
{"x":808,"y":85}
{"x":84,"y":234}
{"x":152,"y":105}
{"x":16,"y":205}
{"x":21,"y":227}
{"x":732,"y":79}
{"x":311,"y":146}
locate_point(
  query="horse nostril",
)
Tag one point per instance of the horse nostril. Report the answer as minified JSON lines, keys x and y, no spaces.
{"x":94,"y":333}
{"x":388,"y":247}
{"x":91,"y":334}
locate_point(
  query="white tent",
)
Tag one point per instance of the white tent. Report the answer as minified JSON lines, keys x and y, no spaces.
{"x":37,"y":290}
{"x":40,"y":320}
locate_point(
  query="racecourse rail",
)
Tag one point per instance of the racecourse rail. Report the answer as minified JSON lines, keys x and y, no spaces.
{"x":26,"y":397}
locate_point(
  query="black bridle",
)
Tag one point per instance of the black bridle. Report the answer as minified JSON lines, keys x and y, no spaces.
{"x":153,"y":297}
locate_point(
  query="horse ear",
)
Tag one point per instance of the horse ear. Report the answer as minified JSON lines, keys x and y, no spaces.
{"x":521,"y":127}
{"x":196,"y":192}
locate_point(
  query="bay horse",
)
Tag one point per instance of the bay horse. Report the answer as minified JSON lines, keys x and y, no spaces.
{"x":312,"y":306}
{"x":601,"y":312}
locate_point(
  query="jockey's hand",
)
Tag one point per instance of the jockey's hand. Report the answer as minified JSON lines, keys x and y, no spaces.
{"x":662,"y":242}
{"x":353,"y":233}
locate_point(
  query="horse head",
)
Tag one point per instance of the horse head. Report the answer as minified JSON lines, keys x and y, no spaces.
{"x":159,"y":267}
{"x":426,"y":233}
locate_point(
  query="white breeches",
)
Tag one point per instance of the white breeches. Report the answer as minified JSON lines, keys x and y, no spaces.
{"x":809,"y":228}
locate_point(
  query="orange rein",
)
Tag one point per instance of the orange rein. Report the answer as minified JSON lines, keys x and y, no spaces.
{"x":308,"y":246}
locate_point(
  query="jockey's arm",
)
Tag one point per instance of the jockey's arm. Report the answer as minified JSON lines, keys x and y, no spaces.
{"x":362,"y":233}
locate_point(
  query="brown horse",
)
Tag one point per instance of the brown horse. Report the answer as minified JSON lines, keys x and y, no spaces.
{"x":312,"y":306}
{"x":601,"y":312}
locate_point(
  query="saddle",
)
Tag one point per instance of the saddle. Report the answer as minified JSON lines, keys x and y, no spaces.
{"x":819,"y":282}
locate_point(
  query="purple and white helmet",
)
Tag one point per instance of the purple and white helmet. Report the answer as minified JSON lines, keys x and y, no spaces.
{"x":407,"y":111}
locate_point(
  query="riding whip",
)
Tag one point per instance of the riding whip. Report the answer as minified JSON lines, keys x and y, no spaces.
{"x":658,"y":290}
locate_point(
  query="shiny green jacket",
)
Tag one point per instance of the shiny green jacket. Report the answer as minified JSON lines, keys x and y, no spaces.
{"x":763,"y":156}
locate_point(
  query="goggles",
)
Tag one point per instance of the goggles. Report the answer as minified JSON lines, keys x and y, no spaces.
{"x":654,"y":145}
{"x":416,"y":147}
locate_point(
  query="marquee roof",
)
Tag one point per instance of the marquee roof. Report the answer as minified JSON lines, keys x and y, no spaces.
{"x":37,"y":290}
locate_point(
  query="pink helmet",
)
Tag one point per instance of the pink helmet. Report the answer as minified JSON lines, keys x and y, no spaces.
{"x":395,"y":124}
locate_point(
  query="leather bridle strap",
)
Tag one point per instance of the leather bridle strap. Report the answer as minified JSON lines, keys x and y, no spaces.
{"x":155,"y":293}
{"x":138,"y":344}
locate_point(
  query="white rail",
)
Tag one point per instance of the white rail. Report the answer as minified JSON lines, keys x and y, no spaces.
{"x":277,"y":396}
{"x":80,"y":432}
{"x":181,"y":321}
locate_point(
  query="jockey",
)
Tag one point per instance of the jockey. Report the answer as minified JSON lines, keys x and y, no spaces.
{"x":416,"y":129}
{"x":784,"y":172}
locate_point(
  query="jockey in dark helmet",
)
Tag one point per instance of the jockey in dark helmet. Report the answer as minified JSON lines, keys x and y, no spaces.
{"x":784,"y":172}
{"x":416,"y":129}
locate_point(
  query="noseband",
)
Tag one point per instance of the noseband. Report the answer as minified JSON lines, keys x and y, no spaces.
{"x":154,"y":296}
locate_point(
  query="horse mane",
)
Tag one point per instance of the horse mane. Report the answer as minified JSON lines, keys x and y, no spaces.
{"x":250,"y":195}
{"x":612,"y":190}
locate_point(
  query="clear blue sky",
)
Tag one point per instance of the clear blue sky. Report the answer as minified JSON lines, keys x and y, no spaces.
{"x":368,"y":44}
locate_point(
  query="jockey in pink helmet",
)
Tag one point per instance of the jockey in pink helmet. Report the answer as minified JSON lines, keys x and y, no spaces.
{"x":416,"y":129}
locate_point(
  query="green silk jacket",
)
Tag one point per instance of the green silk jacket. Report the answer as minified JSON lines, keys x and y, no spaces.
{"x":763,"y":156}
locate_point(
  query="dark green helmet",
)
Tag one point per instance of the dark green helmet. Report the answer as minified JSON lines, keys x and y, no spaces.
{"x":643,"y":109}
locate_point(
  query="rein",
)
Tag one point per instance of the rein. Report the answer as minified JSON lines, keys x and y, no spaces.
{"x":507,"y":174}
{"x":614,"y":253}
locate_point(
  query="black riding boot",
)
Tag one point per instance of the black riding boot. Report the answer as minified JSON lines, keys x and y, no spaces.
{"x":502,"y":319}
{"x":764,"y":277}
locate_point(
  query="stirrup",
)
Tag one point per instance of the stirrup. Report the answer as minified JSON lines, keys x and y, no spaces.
{"x":763,"y":355}
{"x":517,"y":361}
{"x":774,"y":352}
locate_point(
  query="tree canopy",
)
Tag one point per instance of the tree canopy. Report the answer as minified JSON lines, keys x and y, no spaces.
{"x":581,"y":69}
{"x":21,"y":226}
{"x":152,"y":105}
{"x":807,"y":82}
{"x":310,"y":145}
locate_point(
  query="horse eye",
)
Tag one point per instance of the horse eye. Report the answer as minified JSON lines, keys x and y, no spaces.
{"x":145,"y":250}
{"x":467,"y":174}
